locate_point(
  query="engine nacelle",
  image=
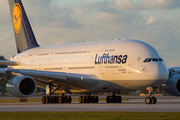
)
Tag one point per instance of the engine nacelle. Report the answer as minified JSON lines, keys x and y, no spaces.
{"x":173,"y":85}
{"x":21,"y":86}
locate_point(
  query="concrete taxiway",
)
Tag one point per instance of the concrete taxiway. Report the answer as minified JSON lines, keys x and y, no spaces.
{"x":133,"y":105}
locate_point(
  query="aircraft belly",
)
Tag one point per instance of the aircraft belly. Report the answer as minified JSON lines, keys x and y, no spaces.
{"x":102,"y":86}
{"x":134,"y":84}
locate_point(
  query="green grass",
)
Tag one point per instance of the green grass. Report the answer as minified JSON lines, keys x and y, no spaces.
{"x":89,"y":116}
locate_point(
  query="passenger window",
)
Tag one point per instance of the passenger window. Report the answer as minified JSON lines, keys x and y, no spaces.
{"x":149,"y":60}
{"x":155,"y":59}
{"x":145,"y":60}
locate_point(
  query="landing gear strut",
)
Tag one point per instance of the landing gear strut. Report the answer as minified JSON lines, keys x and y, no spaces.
{"x":55,"y":99}
{"x":150,"y":99}
{"x":114,"y":99}
{"x":88,"y":99}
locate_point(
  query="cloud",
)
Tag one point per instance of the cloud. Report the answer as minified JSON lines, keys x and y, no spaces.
{"x":122,"y":5}
{"x":100,"y":21}
{"x":159,"y":4}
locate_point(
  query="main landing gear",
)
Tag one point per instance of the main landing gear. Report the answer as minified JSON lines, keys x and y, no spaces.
{"x":88,"y":99}
{"x":113,"y":99}
{"x":150,"y":99}
{"x":55,"y":99}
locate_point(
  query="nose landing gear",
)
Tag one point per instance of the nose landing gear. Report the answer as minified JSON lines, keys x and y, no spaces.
{"x":150,"y":99}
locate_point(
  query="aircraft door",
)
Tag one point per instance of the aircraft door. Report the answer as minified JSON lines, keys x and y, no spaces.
{"x":130,"y":66}
{"x":94,"y":51}
{"x":102,"y":67}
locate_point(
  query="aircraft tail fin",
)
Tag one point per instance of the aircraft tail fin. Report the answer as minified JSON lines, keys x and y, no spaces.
{"x":24,"y":35}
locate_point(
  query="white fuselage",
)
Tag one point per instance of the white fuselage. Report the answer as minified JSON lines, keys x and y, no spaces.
{"x":118,"y":62}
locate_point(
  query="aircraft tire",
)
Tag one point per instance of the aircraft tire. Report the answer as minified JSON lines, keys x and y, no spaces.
{"x":51,"y":99}
{"x":112,"y":99}
{"x":80,"y":99}
{"x":44,"y":100}
{"x":83,"y":99}
{"x":108,"y":99}
{"x":65,"y":99}
{"x":96,"y":99}
{"x":119,"y":99}
{"x":154,"y":100}
{"x":55,"y":98}
{"x":69,"y":100}
{"x":148,"y":100}
{"x":61,"y":99}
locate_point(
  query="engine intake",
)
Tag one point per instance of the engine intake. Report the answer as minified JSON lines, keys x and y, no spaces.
{"x":21,"y":86}
{"x":173,"y":85}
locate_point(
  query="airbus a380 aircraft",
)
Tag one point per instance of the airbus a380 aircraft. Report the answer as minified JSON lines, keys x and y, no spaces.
{"x":85,"y":68}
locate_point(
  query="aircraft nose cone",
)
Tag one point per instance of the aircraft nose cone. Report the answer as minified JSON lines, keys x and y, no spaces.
{"x":162,"y":73}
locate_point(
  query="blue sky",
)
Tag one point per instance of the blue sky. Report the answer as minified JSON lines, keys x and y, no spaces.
{"x":72,"y":21}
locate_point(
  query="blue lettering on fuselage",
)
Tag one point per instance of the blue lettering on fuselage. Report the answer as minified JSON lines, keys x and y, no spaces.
{"x":110,"y":59}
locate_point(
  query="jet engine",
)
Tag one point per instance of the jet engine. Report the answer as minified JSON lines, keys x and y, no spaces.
{"x":173,"y":85}
{"x":21,"y":86}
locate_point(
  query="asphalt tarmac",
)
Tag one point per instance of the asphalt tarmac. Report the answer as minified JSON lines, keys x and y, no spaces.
{"x":132,"y":105}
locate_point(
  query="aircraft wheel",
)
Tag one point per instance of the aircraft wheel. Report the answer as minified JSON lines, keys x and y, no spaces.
{"x":83,"y":99}
{"x":43,"y":99}
{"x":148,"y":100}
{"x":88,"y":99}
{"x":154,"y":100}
{"x":96,"y":99}
{"x":112,"y":99}
{"x":116,"y":99}
{"x":65,"y":99}
{"x":47,"y":100}
{"x":80,"y":99}
{"x":69,"y":99}
{"x":108,"y":99}
{"x":119,"y":99}
{"x":55,"y":99}
{"x":92,"y":99}
{"x":51,"y":99}
{"x":61,"y":99}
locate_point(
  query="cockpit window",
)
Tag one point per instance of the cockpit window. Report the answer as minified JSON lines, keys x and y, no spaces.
{"x":160,"y":59}
{"x":153,"y":60}
{"x":149,"y":60}
{"x":145,"y":60}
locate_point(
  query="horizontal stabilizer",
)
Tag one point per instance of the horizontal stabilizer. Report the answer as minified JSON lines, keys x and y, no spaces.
{"x":11,"y":63}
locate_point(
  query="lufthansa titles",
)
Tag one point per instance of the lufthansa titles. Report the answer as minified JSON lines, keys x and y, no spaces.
{"x":110,"y":59}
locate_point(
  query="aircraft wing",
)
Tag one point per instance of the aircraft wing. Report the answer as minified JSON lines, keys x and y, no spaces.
{"x":44,"y":74}
{"x":174,"y":71}
{"x":43,"y":78}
